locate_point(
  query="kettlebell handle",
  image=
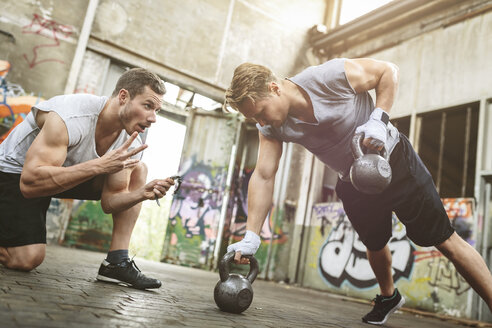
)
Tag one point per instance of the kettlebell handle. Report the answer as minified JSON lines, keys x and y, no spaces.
{"x":357,"y":147}
{"x":229,"y":257}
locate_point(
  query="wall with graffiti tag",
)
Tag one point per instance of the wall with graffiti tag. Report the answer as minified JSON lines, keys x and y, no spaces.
{"x":89,"y":227}
{"x":39,"y":39}
{"x":336,"y":261}
{"x":273,"y":238}
{"x":194,"y":215}
{"x":192,"y":228}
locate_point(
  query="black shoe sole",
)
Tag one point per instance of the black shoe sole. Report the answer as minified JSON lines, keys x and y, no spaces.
{"x":119,"y":282}
{"x":399,"y":305}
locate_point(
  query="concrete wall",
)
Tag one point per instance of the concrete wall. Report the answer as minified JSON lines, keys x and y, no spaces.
{"x":440,"y":68}
{"x":46,"y":34}
{"x":199,"y":43}
{"x":193,"y":43}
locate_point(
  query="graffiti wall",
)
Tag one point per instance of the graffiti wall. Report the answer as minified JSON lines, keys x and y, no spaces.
{"x":337,"y":261}
{"x":89,"y":227}
{"x":41,"y":43}
{"x":193,"y":224}
{"x":194,"y":215}
{"x":273,"y":238}
{"x":57,"y":219}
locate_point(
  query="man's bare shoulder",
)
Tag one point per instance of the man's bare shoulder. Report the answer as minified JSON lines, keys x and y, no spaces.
{"x":43,"y":116}
{"x":53,"y":127}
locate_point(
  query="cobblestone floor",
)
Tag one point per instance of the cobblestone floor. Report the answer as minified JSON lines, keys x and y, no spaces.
{"x":63,"y":292}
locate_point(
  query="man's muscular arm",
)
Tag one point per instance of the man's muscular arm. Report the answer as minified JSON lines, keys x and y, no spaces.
{"x":366,"y":74}
{"x":43,"y":174}
{"x":261,"y":184}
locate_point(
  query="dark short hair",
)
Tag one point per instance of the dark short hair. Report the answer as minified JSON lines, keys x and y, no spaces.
{"x":136,"y":79}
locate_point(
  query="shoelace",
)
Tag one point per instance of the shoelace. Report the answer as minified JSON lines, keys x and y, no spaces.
{"x":132,"y":262}
{"x":142,"y":276}
{"x":378,"y":299}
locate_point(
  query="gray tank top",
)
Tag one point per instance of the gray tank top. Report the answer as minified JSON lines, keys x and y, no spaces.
{"x":338,"y":110}
{"x":79,"y":112}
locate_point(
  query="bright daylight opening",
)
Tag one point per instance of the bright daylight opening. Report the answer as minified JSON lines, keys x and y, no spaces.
{"x":165,"y":139}
{"x":351,"y":9}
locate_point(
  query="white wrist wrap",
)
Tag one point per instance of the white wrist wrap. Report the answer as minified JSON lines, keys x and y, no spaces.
{"x":375,"y":127}
{"x":248,"y":245}
{"x":380,"y":114}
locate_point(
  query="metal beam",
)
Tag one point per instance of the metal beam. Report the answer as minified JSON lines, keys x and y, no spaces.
{"x":81,"y":46}
{"x":387,"y":18}
{"x":170,"y":74}
{"x":383,"y":14}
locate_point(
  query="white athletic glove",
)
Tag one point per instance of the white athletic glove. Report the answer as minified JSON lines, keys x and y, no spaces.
{"x":248,"y":246}
{"x":375,"y":127}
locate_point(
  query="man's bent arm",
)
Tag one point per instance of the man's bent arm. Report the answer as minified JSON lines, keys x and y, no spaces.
{"x":365,"y":74}
{"x":122,"y":191}
{"x":261,"y":184}
{"x":43,"y":174}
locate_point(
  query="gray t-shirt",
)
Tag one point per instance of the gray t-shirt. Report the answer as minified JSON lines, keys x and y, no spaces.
{"x":338,"y":110}
{"x":79,"y":112}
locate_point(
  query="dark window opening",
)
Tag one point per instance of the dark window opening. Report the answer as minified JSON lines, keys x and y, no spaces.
{"x":402,"y":124}
{"x":448,"y":146}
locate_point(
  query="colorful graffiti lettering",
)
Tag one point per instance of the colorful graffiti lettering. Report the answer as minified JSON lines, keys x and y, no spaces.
{"x":431,"y":280}
{"x":343,"y":256}
{"x":49,"y":29}
{"x":441,"y":272}
{"x":14,"y":104}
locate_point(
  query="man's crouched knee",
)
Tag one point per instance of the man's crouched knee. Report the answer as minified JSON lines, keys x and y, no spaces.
{"x":27,"y":259}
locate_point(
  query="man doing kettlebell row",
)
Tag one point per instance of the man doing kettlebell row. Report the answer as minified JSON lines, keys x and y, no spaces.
{"x":321,"y":108}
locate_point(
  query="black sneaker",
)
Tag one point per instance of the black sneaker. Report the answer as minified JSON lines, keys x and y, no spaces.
{"x":383,"y":307}
{"x":126,"y":273}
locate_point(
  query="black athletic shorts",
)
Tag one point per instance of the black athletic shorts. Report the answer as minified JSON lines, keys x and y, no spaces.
{"x":22,"y":220}
{"x":411,"y":194}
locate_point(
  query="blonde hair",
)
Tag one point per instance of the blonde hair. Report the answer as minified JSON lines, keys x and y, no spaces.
{"x":250,"y":81}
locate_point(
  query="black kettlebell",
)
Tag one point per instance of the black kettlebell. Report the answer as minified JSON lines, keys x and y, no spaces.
{"x":234,"y":293}
{"x":370,"y":173}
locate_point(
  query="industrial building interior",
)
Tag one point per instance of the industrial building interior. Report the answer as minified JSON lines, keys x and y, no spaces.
{"x":442,"y":49}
